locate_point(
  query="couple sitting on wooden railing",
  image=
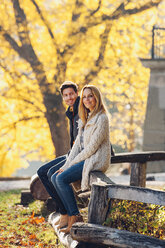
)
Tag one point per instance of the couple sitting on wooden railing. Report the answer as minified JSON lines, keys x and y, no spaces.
{"x":90,"y":151}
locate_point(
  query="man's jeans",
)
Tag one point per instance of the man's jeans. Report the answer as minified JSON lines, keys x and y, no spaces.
{"x":45,"y":172}
{"x":62,"y":185}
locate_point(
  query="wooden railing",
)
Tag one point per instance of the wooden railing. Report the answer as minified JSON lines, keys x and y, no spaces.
{"x":138,"y":164}
{"x":94,"y":232}
{"x":103,"y":189}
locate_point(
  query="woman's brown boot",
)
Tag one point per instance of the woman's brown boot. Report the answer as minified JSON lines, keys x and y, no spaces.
{"x":72,"y":219}
{"x":57,"y":222}
{"x":63,"y":221}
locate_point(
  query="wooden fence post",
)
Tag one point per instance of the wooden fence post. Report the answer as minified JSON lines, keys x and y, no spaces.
{"x":98,"y":204}
{"x":138,"y":174}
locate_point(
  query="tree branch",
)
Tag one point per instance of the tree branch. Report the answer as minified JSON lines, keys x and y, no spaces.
{"x":4,"y":154}
{"x":22,"y":51}
{"x":21,"y":18}
{"x":14,"y":124}
{"x":26,"y":101}
{"x":121,"y":11}
{"x":10,"y":40}
{"x":76,"y":12}
{"x":99,"y":62}
{"x":93,"y":12}
{"x":27,"y":51}
{"x":46,"y":23}
{"x":14,"y":76}
{"x":94,"y":21}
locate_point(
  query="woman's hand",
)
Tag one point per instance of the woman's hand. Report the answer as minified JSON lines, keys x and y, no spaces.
{"x":59,"y":171}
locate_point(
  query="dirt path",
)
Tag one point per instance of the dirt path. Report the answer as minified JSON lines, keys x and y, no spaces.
{"x":6,"y":185}
{"x":18,"y":183}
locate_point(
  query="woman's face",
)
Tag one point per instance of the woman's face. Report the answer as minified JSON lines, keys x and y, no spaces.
{"x":89,"y":100}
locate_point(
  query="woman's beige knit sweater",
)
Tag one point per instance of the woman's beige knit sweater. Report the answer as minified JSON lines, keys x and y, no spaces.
{"x":97,"y":150}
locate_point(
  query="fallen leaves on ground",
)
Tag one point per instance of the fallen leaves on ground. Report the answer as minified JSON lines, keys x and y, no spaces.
{"x":24,"y":226}
{"x":34,"y":220}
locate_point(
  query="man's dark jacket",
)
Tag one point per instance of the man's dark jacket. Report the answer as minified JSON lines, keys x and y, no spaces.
{"x":73,"y":118}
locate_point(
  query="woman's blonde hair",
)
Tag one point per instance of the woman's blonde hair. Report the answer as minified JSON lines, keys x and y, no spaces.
{"x":83,"y":111}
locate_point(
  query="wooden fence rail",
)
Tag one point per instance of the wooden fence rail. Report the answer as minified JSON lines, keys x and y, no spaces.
{"x":138,"y":164}
{"x":94,"y":232}
{"x":100,"y":195}
{"x":102,"y":190}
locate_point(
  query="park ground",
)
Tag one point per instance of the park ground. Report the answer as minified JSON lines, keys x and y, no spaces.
{"x":27,"y":226}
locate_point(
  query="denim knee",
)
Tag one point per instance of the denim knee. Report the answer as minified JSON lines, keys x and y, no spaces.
{"x":49,"y":175}
{"x":40,"y":171}
{"x":53,"y":179}
{"x":59,"y":179}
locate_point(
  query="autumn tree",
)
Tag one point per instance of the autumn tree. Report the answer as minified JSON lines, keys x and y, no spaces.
{"x":44,"y":43}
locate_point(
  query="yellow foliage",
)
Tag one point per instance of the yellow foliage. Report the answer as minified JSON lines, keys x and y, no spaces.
{"x":72,"y":40}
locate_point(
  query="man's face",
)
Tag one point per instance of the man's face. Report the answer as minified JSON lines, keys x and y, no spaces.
{"x":69,"y":96}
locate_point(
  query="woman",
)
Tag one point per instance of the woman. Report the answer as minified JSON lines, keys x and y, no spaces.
{"x":91,"y":151}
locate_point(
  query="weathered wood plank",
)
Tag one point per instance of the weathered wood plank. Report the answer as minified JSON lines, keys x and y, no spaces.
{"x":98,"y":176}
{"x":113,"y":237}
{"x":138,"y":174}
{"x":95,"y":176}
{"x":138,"y":194}
{"x":98,"y":204}
{"x":135,"y":157}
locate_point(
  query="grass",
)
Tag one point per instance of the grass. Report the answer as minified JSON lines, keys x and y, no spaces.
{"x":24,"y":226}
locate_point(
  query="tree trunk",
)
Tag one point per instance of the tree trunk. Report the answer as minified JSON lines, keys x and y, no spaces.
{"x":58,"y":124}
{"x":51,"y":99}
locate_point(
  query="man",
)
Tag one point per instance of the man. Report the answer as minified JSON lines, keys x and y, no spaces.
{"x":69,"y":92}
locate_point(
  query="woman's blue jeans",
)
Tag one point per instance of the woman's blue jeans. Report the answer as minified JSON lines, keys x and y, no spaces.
{"x":62,"y":185}
{"x":45,"y":172}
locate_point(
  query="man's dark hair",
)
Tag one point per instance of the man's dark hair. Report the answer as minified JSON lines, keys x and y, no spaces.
{"x":68,"y":84}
